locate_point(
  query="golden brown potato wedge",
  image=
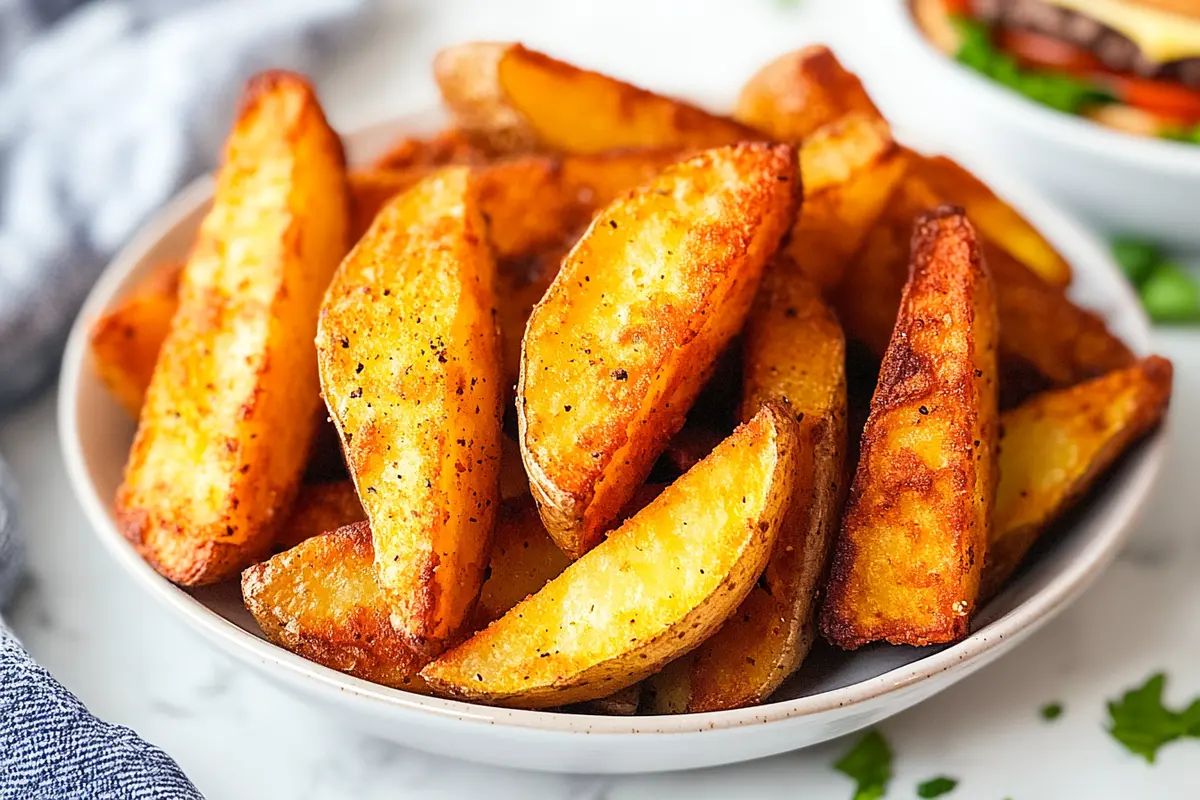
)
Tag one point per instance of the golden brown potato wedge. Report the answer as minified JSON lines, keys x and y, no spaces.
{"x":1042,"y":333}
{"x":996,"y":220}
{"x":517,"y":100}
{"x":1054,"y":447}
{"x":850,"y":168}
{"x":228,"y":419}
{"x":446,"y":148}
{"x":125,"y":341}
{"x":371,"y":189}
{"x":321,"y":600}
{"x":800,"y":92}
{"x":410,"y":368}
{"x":627,"y":334}
{"x":319,"y":508}
{"x":794,"y":354}
{"x":656,"y":588}
{"x":908,"y":561}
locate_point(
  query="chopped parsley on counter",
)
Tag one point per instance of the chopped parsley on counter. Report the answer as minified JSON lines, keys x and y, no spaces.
{"x":869,"y":765}
{"x":1051,"y":711}
{"x":1141,"y":722}
{"x":936,"y":787}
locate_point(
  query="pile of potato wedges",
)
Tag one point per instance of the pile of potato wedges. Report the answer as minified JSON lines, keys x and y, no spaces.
{"x":600,"y":400}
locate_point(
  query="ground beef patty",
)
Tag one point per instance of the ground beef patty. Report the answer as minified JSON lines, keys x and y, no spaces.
{"x":1114,"y":49}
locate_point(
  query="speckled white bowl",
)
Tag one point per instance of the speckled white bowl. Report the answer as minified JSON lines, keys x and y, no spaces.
{"x":834,"y":694}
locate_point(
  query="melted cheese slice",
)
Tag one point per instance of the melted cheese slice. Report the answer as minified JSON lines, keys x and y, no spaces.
{"x":1160,"y":35}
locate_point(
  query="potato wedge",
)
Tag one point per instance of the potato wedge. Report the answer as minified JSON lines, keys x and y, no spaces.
{"x":617,"y":350}
{"x":656,"y":588}
{"x":320,"y":600}
{"x":125,"y":341}
{"x":319,"y":508}
{"x":1054,"y":447}
{"x":850,"y":168}
{"x":908,"y":561}
{"x":622,"y":704}
{"x":794,"y":354}
{"x":410,"y":367}
{"x":994,"y":219}
{"x":1044,"y":337}
{"x":227,"y":423}
{"x":517,"y":100}
{"x":446,"y":148}
{"x":800,"y":92}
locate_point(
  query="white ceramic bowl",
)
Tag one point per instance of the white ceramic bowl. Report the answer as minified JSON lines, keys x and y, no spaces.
{"x":836,"y":693}
{"x":1122,"y":182}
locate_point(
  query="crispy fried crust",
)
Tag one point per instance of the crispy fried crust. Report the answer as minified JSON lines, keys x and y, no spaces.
{"x":796,"y":94}
{"x":410,"y":367}
{"x":320,"y":600}
{"x":319,"y":508}
{"x":794,"y":353}
{"x":622,"y":342}
{"x":225,"y":431}
{"x":1054,"y":448}
{"x":126,"y":340}
{"x":448,"y":147}
{"x":517,"y":100}
{"x":524,"y":559}
{"x":913,"y":540}
{"x":1045,"y":339}
{"x":996,"y":221}
{"x":656,"y":588}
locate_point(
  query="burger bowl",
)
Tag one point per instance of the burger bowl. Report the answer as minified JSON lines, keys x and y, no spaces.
{"x":1123,"y":182}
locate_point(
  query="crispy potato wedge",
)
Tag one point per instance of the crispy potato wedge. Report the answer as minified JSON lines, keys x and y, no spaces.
{"x":319,"y":508}
{"x":617,"y":350}
{"x":125,"y":341}
{"x":850,"y":169}
{"x":321,"y":601}
{"x":908,"y":562}
{"x":994,"y":219}
{"x":371,"y":189}
{"x":227,"y":423}
{"x":656,"y":588}
{"x":794,"y":354}
{"x":1042,"y":333}
{"x":1054,"y":447}
{"x":446,"y":148}
{"x":517,"y":100}
{"x":800,"y":92}
{"x":410,"y":368}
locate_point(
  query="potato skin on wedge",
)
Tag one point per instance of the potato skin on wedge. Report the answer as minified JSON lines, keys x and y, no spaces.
{"x":410,"y":367}
{"x":516,"y":100}
{"x":656,"y":588}
{"x":624,"y":339}
{"x":1054,"y":448}
{"x":794,"y":354}
{"x":319,"y":508}
{"x":908,"y":561}
{"x":227,"y":422}
{"x":125,"y":341}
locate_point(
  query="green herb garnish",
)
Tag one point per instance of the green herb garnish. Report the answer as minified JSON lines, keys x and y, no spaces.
{"x":1136,"y":257}
{"x":1051,"y":711}
{"x":1063,"y":92}
{"x":869,"y":764}
{"x":936,"y":787}
{"x":1171,"y":295}
{"x":1141,"y":722}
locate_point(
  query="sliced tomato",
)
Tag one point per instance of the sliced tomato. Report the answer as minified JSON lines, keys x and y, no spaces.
{"x":1172,"y":101}
{"x":1037,"y":50}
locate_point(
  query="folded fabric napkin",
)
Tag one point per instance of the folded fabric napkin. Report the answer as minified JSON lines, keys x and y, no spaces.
{"x":103,"y":116}
{"x":104,"y":113}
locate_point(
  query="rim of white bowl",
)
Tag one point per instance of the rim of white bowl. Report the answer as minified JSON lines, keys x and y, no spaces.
{"x":249,"y":648}
{"x":1161,"y":155}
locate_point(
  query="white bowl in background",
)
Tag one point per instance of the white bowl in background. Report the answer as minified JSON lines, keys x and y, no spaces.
{"x":834,"y":694}
{"x":1122,"y":182}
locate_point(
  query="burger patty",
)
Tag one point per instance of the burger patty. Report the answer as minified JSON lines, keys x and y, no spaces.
{"x":1117,"y":51}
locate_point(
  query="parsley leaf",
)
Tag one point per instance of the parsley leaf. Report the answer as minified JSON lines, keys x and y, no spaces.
{"x":936,"y":787}
{"x":1143,"y":724}
{"x":1051,"y":711}
{"x":869,"y":764}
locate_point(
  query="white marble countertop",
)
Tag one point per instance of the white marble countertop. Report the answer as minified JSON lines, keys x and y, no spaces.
{"x":238,"y":737}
